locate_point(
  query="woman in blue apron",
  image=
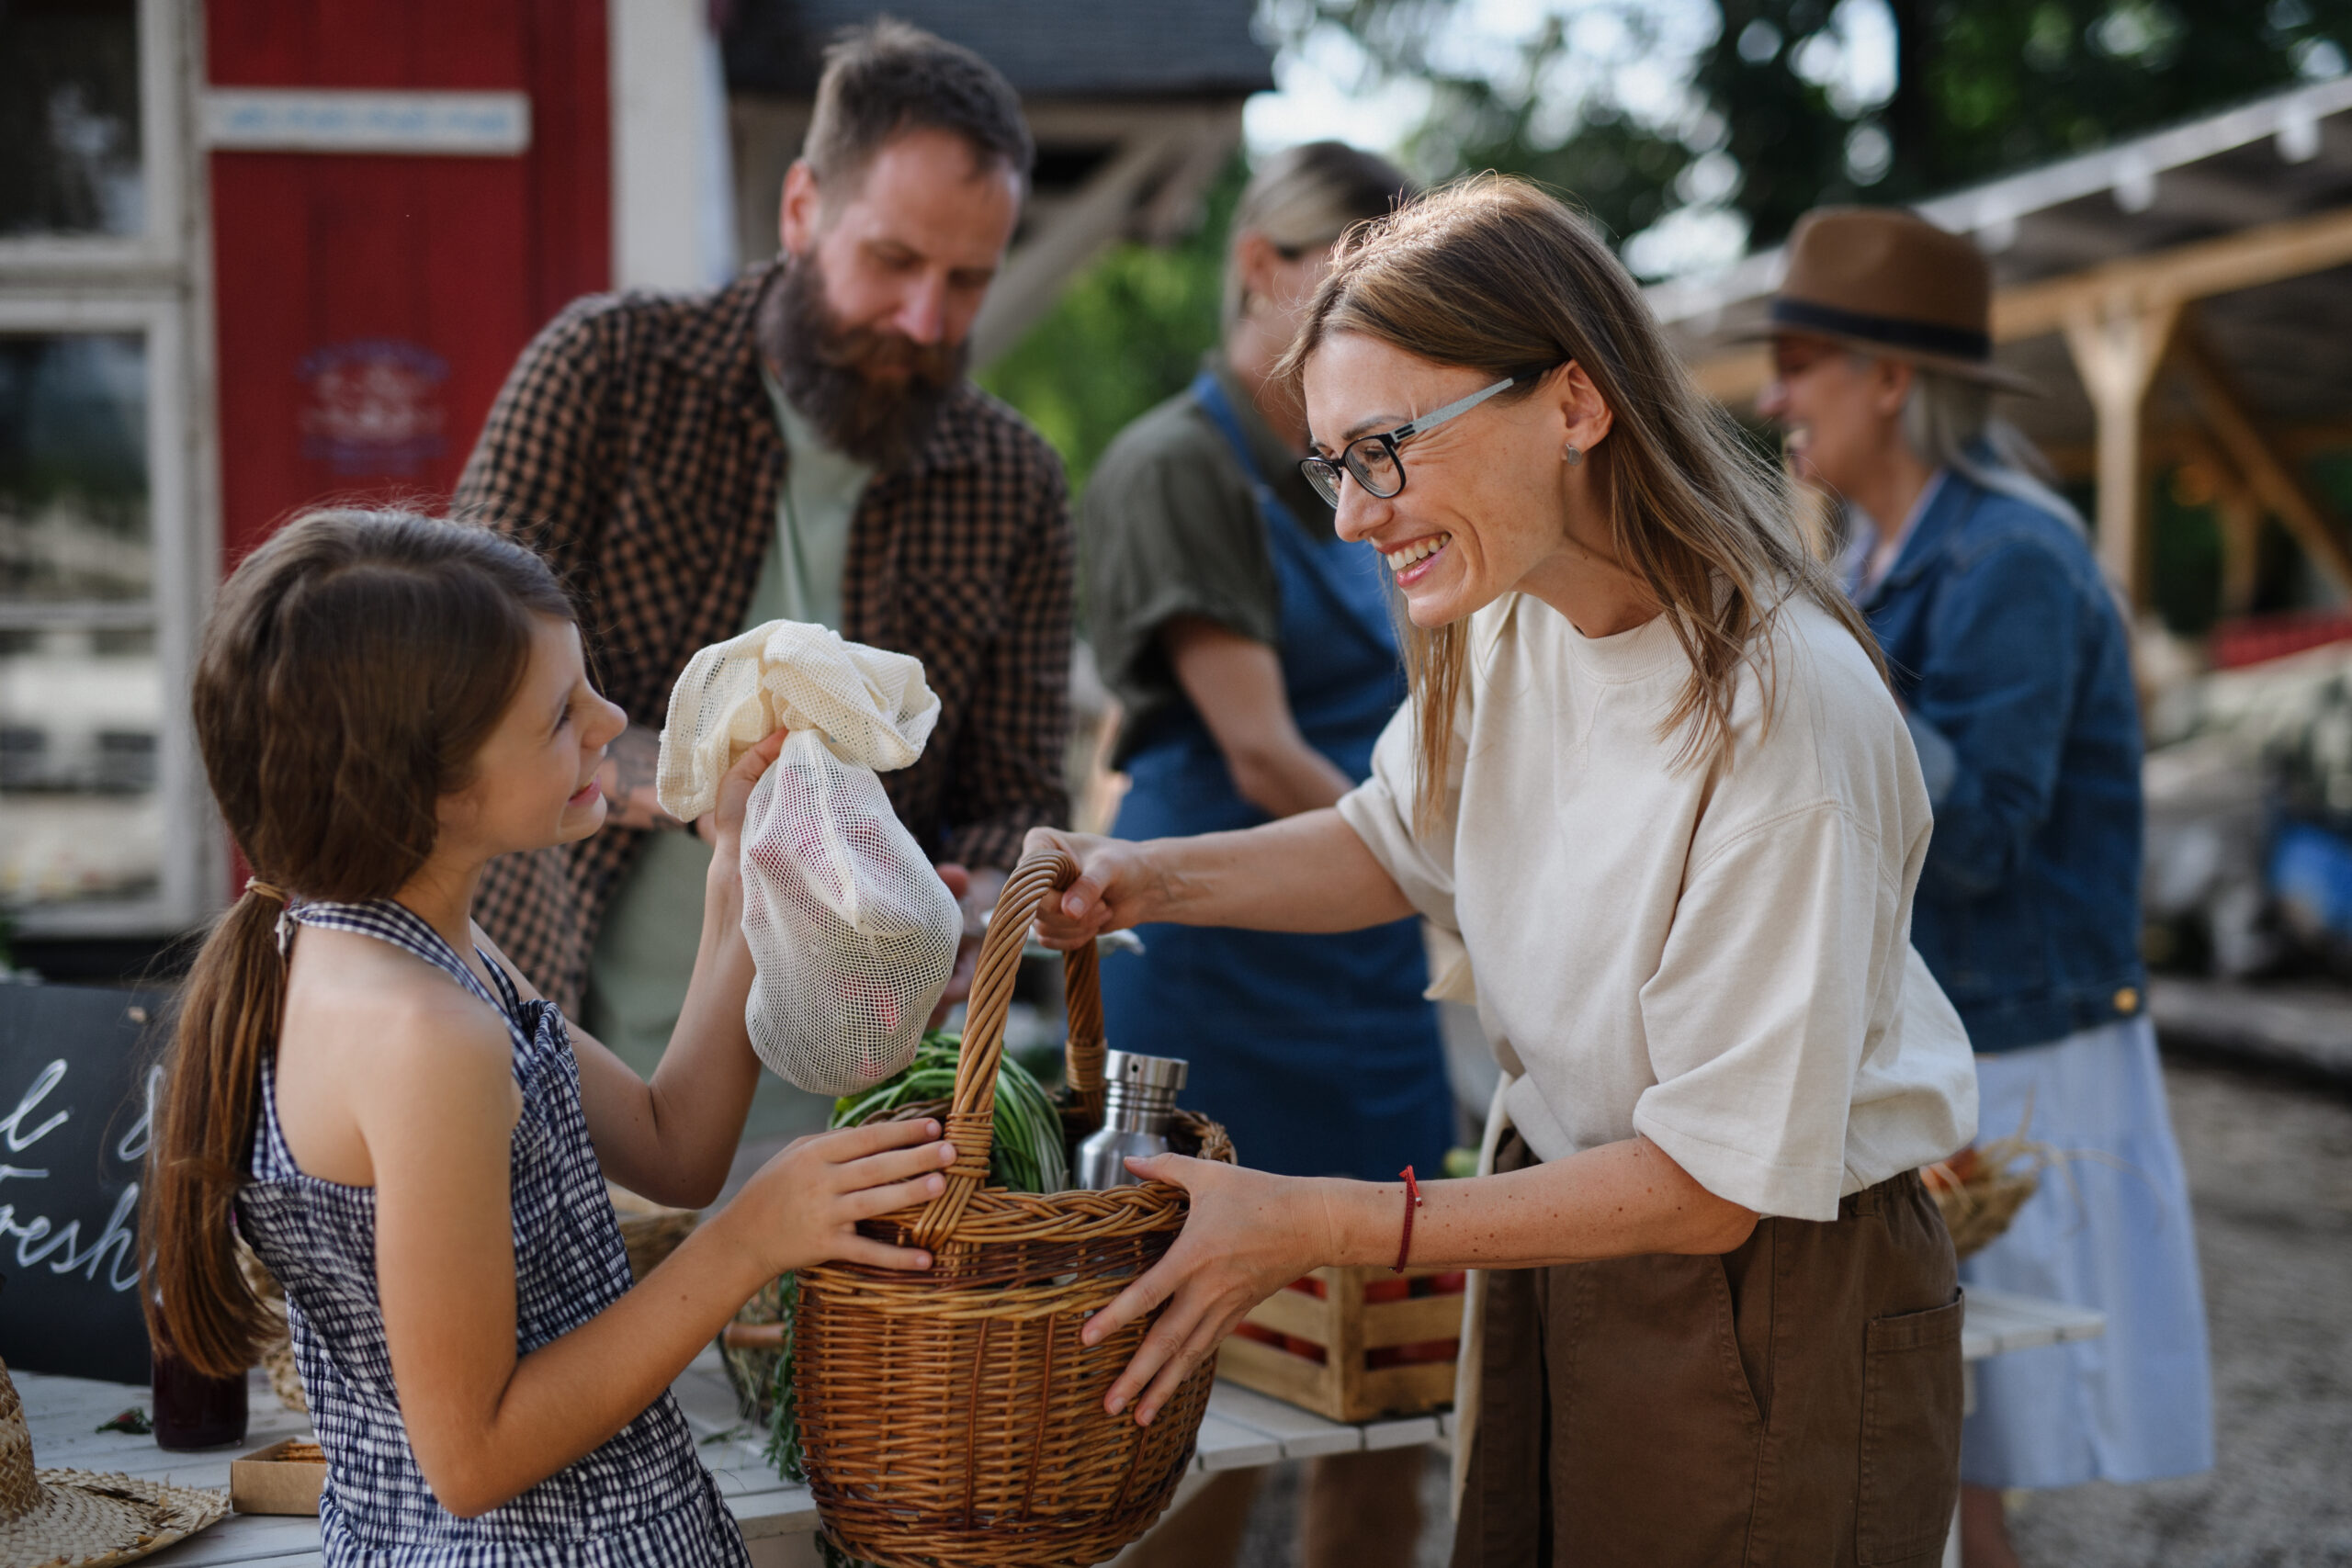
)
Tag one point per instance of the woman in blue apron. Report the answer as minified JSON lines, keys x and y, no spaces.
{"x":1318,"y":1052}
{"x":1255,"y":664}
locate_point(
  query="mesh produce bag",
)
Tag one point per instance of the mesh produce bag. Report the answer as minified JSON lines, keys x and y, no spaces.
{"x":852,"y":933}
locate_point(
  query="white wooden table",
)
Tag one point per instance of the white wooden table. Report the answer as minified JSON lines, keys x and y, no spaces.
{"x":1242,"y":1430}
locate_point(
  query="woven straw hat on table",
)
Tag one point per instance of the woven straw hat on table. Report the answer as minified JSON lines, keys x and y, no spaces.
{"x":76,"y":1518}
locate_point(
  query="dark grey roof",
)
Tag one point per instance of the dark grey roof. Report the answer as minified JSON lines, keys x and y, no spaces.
{"x":1046,"y":48}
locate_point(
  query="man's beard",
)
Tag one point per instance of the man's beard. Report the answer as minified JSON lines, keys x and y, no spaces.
{"x":827,"y":372}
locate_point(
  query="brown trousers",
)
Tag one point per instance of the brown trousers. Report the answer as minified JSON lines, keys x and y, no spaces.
{"x":1794,"y":1403}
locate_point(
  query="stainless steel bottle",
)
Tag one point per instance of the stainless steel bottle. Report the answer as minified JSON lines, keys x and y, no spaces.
{"x":1140,"y":1095}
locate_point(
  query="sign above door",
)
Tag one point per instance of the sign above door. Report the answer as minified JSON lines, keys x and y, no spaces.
{"x":316,"y":120}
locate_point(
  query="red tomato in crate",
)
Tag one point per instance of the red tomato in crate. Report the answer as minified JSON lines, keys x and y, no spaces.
{"x":1388,"y":1290}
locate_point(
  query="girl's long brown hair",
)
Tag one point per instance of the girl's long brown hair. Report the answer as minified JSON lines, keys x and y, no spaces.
{"x":353,"y":667}
{"x":1493,"y":275}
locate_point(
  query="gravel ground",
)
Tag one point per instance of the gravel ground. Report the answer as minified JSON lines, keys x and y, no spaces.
{"x":2271,"y":1173}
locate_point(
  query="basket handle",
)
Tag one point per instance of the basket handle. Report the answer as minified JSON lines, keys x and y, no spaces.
{"x":971,"y":1114}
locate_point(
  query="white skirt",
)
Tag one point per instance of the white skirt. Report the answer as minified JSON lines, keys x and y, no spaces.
{"x":2112,"y":1234}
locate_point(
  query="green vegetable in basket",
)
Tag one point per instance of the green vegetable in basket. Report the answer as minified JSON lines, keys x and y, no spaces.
{"x":1026,"y":1157}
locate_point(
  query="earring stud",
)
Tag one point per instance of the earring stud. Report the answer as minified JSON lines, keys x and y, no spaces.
{"x":1572,"y":453}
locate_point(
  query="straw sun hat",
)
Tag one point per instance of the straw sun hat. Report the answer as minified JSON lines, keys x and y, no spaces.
{"x":1890,"y":284}
{"x":75,"y":1518}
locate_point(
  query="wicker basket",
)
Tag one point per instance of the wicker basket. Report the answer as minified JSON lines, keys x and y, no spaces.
{"x":951,"y":1418}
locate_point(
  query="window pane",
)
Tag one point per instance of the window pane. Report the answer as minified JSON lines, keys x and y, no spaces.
{"x":69,"y":118}
{"x":79,"y":716}
{"x":73,"y":467}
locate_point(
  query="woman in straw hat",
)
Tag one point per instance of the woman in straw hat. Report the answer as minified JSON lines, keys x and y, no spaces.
{"x":1255,"y":666}
{"x":2015,"y":674}
{"x":1652,"y":773}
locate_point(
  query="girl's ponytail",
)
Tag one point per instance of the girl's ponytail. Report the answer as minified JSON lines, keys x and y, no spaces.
{"x":351,"y":668}
{"x":199,"y":1307}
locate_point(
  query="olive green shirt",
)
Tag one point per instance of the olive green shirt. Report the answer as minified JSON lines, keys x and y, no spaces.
{"x":1168,"y":526}
{"x":645,"y":949}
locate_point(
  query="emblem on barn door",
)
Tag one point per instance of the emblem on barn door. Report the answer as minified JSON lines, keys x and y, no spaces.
{"x":375,"y":406}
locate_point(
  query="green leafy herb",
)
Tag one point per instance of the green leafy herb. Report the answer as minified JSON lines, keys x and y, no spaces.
{"x":784,"y":1423}
{"x":1027,"y":1155}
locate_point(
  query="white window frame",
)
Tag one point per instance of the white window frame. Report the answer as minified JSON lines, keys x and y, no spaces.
{"x":155,"y":283}
{"x":155,"y":254}
{"x":190,"y":865}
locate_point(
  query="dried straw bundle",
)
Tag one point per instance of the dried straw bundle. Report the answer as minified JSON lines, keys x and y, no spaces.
{"x":952,"y":1419}
{"x":649,"y":1231}
{"x":1980,"y":1190}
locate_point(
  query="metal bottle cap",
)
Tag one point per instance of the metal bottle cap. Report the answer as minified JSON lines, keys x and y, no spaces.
{"x":1131,"y":1070}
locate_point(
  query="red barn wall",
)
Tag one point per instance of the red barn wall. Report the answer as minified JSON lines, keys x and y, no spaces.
{"x":369,"y":306}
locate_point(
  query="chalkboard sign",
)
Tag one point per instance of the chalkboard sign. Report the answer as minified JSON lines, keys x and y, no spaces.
{"x":77,"y":1083}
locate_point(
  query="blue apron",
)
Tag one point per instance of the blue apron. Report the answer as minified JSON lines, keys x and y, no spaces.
{"x":1316,"y":1052}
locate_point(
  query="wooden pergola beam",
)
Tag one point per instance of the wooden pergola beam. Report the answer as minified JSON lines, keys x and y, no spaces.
{"x":2269,"y":473}
{"x":2169,"y":444}
{"x":2117,"y":345}
{"x":2269,"y":252}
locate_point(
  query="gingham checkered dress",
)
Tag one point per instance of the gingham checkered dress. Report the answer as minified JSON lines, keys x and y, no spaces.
{"x":643,"y":1497}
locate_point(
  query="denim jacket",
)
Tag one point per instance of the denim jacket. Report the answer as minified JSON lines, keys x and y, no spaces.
{"x":2015,"y":675}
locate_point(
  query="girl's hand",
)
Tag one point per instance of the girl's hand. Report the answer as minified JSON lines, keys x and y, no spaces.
{"x":1118,"y":885}
{"x":1248,"y":1234}
{"x":804,"y":1205}
{"x":722,"y":827}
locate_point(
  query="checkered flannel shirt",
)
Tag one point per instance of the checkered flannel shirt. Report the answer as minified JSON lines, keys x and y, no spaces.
{"x":634,"y":446}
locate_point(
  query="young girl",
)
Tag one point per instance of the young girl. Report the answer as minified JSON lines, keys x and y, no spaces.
{"x":410,"y":1138}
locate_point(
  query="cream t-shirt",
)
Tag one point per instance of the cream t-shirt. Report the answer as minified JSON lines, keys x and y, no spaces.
{"x":1715,"y":956}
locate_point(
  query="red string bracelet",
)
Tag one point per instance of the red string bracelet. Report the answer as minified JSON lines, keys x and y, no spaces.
{"x":1412,"y":1201}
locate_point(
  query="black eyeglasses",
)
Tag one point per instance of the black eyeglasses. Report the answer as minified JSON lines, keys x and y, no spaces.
{"x":1374,"y":461}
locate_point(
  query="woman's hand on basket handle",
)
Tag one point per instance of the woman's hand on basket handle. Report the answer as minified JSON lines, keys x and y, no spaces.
{"x":1248,"y":1234}
{"x":1307,"y":873}
{"x":1118,"y":886}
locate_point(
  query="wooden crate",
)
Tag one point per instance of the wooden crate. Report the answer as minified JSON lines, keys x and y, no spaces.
{"x":1351,"y":1332}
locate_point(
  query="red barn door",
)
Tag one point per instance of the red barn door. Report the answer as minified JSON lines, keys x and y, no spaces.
{"x":403,"y":191}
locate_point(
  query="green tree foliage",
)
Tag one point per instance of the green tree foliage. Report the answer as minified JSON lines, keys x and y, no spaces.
{"x":1770,"y":126}
{"x":1127,"y":333}
{"x":1983,"y":89}
{"x":1773,"y":125}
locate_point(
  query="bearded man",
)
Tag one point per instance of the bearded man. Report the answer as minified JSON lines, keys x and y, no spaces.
{"x":802,"y":444}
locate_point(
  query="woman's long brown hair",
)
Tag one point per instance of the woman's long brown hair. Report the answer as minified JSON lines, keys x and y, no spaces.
{"x":349,"y":674}
{"x":1493,"y":275}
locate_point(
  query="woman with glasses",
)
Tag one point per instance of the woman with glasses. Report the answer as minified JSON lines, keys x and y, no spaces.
{"x":1255,"y":665}
{"x":1652,"y":773}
